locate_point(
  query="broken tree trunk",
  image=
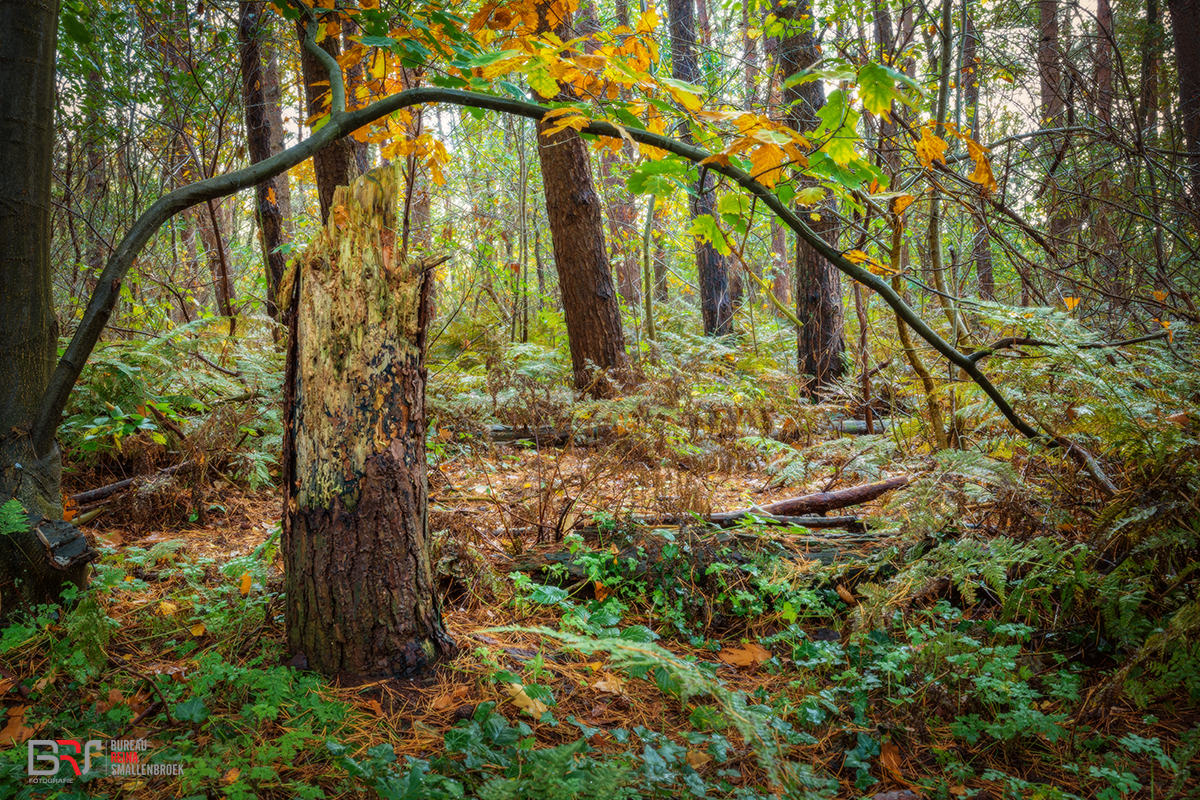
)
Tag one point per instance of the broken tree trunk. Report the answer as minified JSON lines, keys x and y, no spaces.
{"x":821,"y":502}
{"x":361,"y":599}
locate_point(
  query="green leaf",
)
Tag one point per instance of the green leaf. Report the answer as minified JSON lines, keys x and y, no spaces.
{"x":877,"y":88}
{"x":548,"y":595}
{"x":490,"y":58}
{"x":378,"y":41}
{"x":734,"y":204}
{"x":704,"y":227}
{"x":192,"y":711}
{"x":75,"y":29}
{"x":659,"y":178}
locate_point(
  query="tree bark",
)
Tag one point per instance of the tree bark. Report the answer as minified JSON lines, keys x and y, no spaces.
{"x":1185,"y":20}
{"x":29,"y":473}
{"x":981,"y":248}
{"x":333,"y":165}
{"x":361,"y":600}
{"x":821,"y":344}
{"x":262,"y":138}
{"x":712,"y":273}
{"x":590,"y":306}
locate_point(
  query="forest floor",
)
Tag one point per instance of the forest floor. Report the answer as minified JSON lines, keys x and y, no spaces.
{"x":692,"y":661}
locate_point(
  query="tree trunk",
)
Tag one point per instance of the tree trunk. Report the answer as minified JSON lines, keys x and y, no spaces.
{"x":1052,"y":107}
{"x":262,"y":138}
{"x":716,"y":304}
{"x":820,"y":342}
{"x":662,"y":291}
{"x":981,"y":248}
{"x":1185,"y":20}
{"x":28,"y":325}
{"x":334,"y":165}
{"x":361,"y":596}
{"x":96,"y":183}
{"x":781,"y":271}
{"x":590,"y":306}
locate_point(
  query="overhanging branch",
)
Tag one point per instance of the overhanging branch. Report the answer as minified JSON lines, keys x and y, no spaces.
{"x":342,"y":123}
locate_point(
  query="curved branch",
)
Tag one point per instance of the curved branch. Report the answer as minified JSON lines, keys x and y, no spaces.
{"x":1025,"y":341}
{"x":108,"y":288}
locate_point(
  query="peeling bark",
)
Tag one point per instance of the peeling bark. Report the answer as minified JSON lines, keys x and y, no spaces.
{"x":361,"y":600}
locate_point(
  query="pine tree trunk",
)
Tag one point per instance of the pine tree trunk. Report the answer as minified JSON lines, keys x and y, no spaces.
{"x":334,"y":165}
{"x":820,"y":342}
{"x":590,"y":306}
{"x":361,"y":597}
{"x":1185,"y":21}
{"x":261,"y":139}
{"x":716,"y":303}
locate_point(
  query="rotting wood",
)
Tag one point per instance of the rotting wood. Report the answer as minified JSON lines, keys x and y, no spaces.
{"x":361,"y":593}
{"x":820,"y":502}
{"x":102,"y":492}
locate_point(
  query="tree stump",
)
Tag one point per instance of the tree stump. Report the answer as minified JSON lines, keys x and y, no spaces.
{"x":361,"y":599}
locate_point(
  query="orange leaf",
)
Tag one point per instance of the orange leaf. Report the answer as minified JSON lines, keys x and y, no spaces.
{"x":451,"y":699}
{"x":16,"y":731}
{"x":903,"y":202}
{"x":1071,"y":302}
{"x":889,"y":756}
{"x":246,"y":584}
{"x":930,"y":148}
{"x":749,"y":656}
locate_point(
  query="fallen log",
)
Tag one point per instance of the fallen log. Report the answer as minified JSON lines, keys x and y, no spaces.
{"x":821,"y":502}
{"x":92,"y":495}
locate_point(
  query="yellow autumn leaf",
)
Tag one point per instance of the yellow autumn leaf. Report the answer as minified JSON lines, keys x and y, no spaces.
{"x":379,"y":65}
{"x":766,"y":164}
{"x":198,"y":629}
{"x":166,"y":608}
{"x":685,"y":98}
{"x":246,"y":582}
{"x":874,"y":265}
{"x":983,"y":175}
{"x":1160,"y":296}
{"x":523,"y":701}
{"x":648,"y":21}
{"x":810,"y":195}
{"x":1071,"y":302}
{"x":903,"y":202}
{"x":721,"y":159}
{"x":930,"y":148}
{"x":592,"y":62}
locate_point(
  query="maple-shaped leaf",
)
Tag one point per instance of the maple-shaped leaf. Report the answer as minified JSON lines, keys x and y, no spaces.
{"x":877,"y":88}
{"x":705,"y":228}
{"x":810,"y":195}
{"x":930,"y":148}
{"x":659,"y":178}
{"x":734,"y":203}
